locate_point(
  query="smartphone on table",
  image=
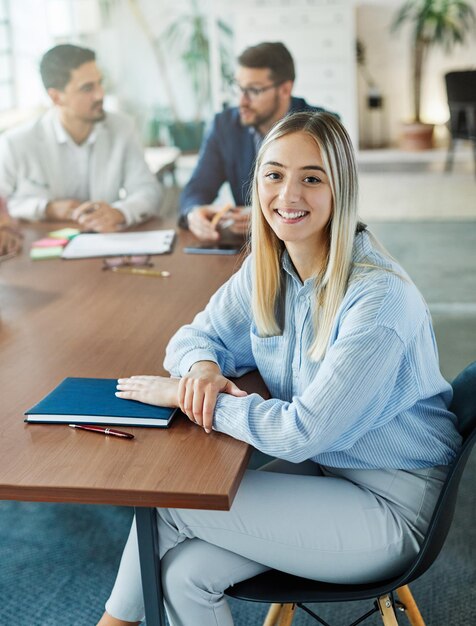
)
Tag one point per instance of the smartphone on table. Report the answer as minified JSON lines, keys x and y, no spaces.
{"x":213,"y":248}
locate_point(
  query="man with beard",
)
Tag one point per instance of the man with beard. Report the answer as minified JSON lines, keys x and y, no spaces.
{"x":263,"y":82}
{"x":77,"y":162}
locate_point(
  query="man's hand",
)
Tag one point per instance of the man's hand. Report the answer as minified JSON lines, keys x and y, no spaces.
{"x":156,"y":390}
{"x":198,"y":391}
{"x":99,"y":217}
{"x":241,"y":220}
{"x":202,"y":224}
{"x":61,"y":210}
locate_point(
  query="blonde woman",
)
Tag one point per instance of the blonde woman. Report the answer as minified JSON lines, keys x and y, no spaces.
{"x":358,"y":416}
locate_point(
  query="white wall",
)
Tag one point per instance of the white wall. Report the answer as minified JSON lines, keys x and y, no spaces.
{"x":131,"y":71}
{"x":31,"y":38}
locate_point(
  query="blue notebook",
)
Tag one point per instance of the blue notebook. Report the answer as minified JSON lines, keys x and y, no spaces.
{"x":92,"y":401}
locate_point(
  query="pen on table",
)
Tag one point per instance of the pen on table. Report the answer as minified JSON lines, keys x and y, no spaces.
{"x":141,"y":271}
{"x":103,"y":431}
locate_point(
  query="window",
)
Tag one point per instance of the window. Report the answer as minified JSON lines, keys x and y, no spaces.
{"x":7,"y":84}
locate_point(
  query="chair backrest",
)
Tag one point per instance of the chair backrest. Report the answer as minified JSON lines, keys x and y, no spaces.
{"x":461,"y":92}
{"x":464,"y":407}
{"x":461,"y":86}
{"x":464,"y":399}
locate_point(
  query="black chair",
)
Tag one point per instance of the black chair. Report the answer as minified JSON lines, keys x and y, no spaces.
{"x":286,"y":592}
{"x":461,"y":92}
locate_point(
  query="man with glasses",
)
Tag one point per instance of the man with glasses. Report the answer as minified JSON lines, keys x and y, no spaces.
{"x":77,"y":162}
{"x":263,"y":83}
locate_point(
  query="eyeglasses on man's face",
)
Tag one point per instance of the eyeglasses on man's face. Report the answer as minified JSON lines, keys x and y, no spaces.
{"x":252,"y":93}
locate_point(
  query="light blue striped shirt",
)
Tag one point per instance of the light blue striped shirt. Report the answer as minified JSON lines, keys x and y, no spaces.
{"x":376,"y":400}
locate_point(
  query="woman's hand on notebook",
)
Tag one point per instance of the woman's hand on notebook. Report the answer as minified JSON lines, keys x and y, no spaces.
{"x":196,"y":393}
{"x":156,"y":390}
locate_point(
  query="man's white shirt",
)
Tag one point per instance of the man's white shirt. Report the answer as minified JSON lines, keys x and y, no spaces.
{"x":39,"y":162}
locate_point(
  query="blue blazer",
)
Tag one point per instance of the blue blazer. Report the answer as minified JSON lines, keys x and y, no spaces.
{"x":227,"y":154}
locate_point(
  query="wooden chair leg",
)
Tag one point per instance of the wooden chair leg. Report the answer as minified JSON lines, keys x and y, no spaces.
{"x":287,"y":614}
{"x":273,"y":615}
{"x":411,"y":608}
{"x":386,"y":610}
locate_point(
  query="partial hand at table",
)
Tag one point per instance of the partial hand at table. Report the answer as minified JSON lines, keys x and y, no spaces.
{"x":10,"y":241}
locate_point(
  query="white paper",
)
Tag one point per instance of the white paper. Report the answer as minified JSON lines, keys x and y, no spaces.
{"x":118,"y":244}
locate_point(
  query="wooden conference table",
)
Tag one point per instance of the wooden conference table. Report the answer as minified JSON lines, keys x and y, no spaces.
{"x":71,"y":318}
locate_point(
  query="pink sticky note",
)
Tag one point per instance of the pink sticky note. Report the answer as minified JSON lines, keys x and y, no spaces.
{"x":46,"y":243}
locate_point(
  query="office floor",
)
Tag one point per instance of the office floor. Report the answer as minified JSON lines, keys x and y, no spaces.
{"x":57,"y":562}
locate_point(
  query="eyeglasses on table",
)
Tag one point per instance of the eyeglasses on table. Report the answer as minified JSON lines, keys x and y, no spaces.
{"x":127,"y":261}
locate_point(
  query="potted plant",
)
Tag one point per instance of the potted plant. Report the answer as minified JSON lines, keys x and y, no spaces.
{"x":187,"y":36}
{"x":434,"y":22}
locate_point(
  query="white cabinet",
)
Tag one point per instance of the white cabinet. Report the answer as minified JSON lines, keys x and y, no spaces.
{"x":320,"y":34}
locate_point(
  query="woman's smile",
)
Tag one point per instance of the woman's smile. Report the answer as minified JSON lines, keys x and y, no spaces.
{"x":291,"y":216}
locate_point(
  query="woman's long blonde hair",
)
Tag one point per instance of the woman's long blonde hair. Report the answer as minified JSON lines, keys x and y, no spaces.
{"x":338,"y":158}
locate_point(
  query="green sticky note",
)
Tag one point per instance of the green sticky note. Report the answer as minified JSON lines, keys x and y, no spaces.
{"x":64,"y":233}
{"x":53,"y":252}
